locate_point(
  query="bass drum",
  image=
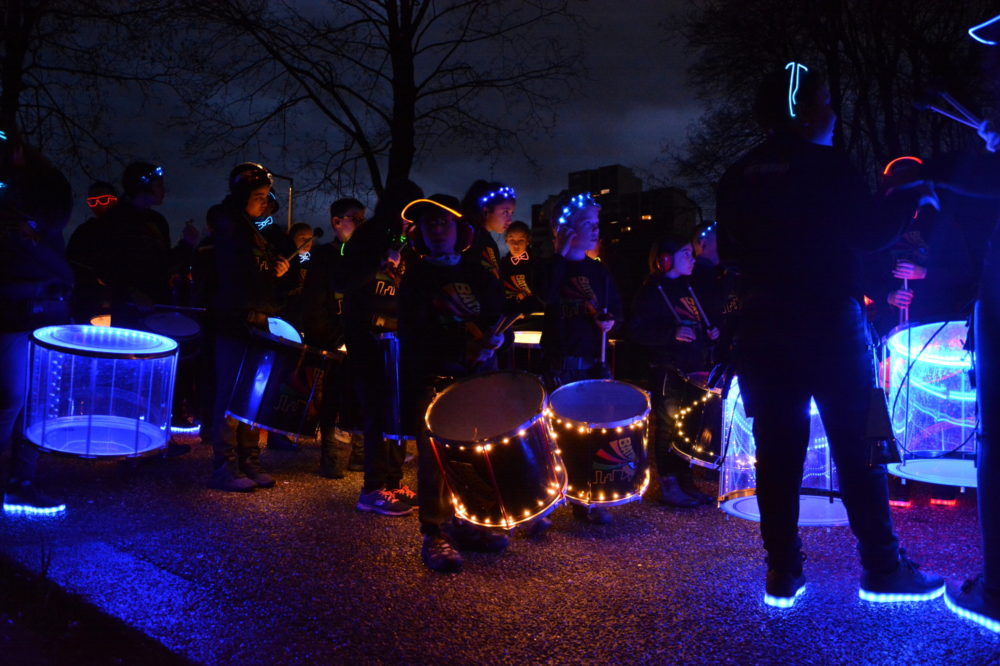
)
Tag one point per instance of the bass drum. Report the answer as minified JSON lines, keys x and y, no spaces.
{"x":499,"y":463}
{"x":602,"y":425}
{"x":280,"y":385}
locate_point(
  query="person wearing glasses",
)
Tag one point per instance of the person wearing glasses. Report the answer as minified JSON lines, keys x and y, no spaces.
{"x":91,"y":295}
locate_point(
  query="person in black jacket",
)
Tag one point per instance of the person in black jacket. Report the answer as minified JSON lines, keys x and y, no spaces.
{"x":667,"y":322}
{"x":85,"y":250}
{"x":793,"y":215}
{"x":35,"y":286}
{"x":245,"y":293}
{"x":448,"y":308}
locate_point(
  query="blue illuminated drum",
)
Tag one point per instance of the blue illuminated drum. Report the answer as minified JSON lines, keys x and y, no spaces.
{"x":819,"y":501}
{"x":602,"y":426}
{"x":932,"y":403}
{"x":494,"y":448}
{"x":99,"y":392}
{"x":280,"y":385}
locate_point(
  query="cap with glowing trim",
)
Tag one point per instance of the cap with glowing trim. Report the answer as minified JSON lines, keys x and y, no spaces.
{"x":413,"y":210}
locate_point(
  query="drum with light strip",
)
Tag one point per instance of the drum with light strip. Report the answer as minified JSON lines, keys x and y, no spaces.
{"x":602,"y":427}
{"x":493,"y":446}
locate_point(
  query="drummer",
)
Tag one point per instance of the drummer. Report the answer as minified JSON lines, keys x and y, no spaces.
{"x":35,"y":284}
{"x":581,"y":307}
{"x":448,"y":309}
{"x":669,"y":324}
{"x":243,"y":295}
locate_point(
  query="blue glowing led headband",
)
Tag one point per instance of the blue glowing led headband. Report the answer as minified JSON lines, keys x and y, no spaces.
{"x":155,"y":173}
{"x":578,"y":202}
{"x":794,"y":72}
{"x":499,"y":193}
{"x":976,"y":28}
{"x":3,"y":135}
{"x":707,"y":230}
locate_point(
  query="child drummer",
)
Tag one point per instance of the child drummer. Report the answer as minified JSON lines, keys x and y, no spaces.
{"x":449,"y":310}
{"x":581,"y":307}
{"x":669,"y":323}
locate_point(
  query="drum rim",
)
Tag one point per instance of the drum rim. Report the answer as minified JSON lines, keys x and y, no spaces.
{"x":696,"y":461}
{"x":190,"y":337}
{"x":312,"y":349}
{"x":622,"y":423}
{"x":108,"y":354}
{"x":510,"y":434}
{"x":260,"y":425}
{"x":896,"y":330}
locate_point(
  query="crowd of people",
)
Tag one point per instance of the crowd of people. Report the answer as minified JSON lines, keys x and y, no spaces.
{"x":774,"y":292}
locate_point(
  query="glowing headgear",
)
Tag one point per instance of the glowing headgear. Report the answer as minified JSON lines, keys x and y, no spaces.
{"x":795,"y":70}
{"x":140,"y":174}
{"x":502,"y":193}
{"x":707,"y":229}
{"x":577,"y":202}
{"x":984,"y":33}
{"x":418,"y":207}
{"x":898,"y":160}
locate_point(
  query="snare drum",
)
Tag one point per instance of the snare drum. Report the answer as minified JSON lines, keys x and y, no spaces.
{"x":178,"y":327}
{"x":494,"y":449}
{"x":698,"y":423}
{"x":819,"y":497}
{"x":602,"y":427}
{"x":280,"y":385}
{"x":932,"y":403}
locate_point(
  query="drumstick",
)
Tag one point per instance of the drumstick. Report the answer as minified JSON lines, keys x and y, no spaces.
{"x":904,"y":312}
{"x":701,"y":310}
{"x":670,"y":306}
{"x":504,"y":327}
{"x":317,"y":233}
{"x":961,"y":109}
{"x":946,"y":114}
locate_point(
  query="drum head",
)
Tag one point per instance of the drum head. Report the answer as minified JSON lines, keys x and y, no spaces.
{"x":602,"y":403}
{"x":174,"y":325}
{"x":281,"y":328}
{"x":486,"y":407}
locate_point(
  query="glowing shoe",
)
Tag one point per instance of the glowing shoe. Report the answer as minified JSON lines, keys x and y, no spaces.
{"x":783,"y":588}
{"x":974,"y":602}
{"x":23,"y":498}
{"x":904,"y":583}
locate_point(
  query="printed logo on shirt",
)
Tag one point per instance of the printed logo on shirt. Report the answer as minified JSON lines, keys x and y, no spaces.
{"x":578,"y":297}
{"x":458,"y":302}
{"x":516,"y":286}
{"x":490,"y":261}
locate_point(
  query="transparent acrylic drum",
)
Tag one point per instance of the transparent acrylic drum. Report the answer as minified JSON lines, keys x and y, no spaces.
{"x":819,"y":501}
{"x":99,"y":392}
{"x":932,"y":403}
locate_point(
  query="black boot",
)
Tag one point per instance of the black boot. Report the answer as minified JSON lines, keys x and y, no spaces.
{"x":333,"y":454}
{"x":248,"y":453}
{"x":673,"y":495}
{"x":356,"y":463}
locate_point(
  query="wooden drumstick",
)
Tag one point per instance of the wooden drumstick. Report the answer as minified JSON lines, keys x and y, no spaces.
{"x":701,"y":310}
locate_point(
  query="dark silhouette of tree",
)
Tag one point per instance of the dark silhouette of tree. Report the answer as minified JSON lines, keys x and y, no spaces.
{"x":878,"y":57}
{"x":354,"y":91}
{"x":63,"y":65}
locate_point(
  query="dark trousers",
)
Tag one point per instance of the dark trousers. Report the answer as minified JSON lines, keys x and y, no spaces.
{"x":667,"y":392}
{"x":229,"y":442}
{"x":383,"y":459}
{"x":776,"y":383}
{"x":13,"y":390}
{"x":987,"y":337}
{"x":435,"y":509}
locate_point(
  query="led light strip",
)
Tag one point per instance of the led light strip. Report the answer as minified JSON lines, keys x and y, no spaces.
{"x":26,"y":510}
{"x":978,"y":618}
{"x":795,"y":71}
{"x":783,"y":602}
{"x":894,"y":597}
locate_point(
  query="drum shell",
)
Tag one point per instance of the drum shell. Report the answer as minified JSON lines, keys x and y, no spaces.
{"x":180,"y":328}
{"x":280,"y":385}
{"x":698,"y":424}
{"x":607,"y":463}
{"x":504,"y":478}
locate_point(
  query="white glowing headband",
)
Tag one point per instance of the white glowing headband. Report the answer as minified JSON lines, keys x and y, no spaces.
{"x":795,"y":70}
{"x":499,"y":193}
{"x":578,"y":202}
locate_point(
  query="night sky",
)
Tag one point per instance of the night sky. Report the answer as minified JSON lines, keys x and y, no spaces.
{"x":634,"y":104}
